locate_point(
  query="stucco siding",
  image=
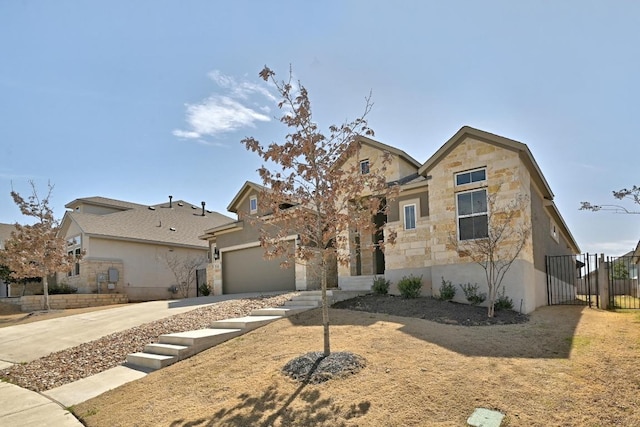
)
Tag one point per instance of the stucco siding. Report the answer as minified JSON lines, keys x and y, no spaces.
{"x":145,"y":275}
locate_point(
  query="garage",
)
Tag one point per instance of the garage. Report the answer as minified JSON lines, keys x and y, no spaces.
{"x":246,"y":270}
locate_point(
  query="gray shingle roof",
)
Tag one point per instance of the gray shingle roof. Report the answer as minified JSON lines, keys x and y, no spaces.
{"x":179,"y":225}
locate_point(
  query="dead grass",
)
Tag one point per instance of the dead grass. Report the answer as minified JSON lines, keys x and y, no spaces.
{"x":10,"y":314}
{"x":568,"y":366}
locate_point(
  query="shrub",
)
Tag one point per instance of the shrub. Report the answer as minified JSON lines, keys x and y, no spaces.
{"x":447,"y":290}
{"x":410,"y":286}
{"x":380,"y":285}
{"x":503,"y":302}
{"x":62,"y":288}
{"x":204,"y":290}
{"x":472,"y":294}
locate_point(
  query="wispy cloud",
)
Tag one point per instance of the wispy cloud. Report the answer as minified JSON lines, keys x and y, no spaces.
{"x":235,"y":108}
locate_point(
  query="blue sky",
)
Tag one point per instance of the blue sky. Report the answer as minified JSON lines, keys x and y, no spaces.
{"x":145,"y":99}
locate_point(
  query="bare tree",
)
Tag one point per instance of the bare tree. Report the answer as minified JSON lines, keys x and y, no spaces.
{"x":37,"y":250}
{"x":630,"y":194}
{"x":184,"y":270}
{"x":506,"y":236}
{"x":312,"y":189}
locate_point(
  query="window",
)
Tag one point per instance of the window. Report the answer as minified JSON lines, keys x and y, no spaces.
{"x":471,"y":176}
{"x":253,"y":204}
{"x":554,"y":232}
{"x":409,"y":217}
{"x":364,"y":167}
{"x":472,"y":215}
{"x":74,"y":248}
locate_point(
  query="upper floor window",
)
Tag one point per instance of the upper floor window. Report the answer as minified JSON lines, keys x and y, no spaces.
{"x":409,"y":217}
{"x":472,"y":215}
{"x":253,"y":204}
{"x":364,"y":167}
{"x":468,"y":177}
{"x":74,"y":249}
{"x":554,"y":231}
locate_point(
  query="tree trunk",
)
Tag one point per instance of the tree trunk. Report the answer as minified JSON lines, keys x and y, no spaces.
{"x":325,"y":307}
{"x":45,"y":288}
{"x":492,"y":301}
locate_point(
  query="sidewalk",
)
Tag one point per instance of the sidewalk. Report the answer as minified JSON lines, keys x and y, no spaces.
{"x":24,"y":343}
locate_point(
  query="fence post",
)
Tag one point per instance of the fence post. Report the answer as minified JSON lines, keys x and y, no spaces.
{"x":603,"y":283}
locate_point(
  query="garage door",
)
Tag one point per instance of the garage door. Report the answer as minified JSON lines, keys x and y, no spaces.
{"x":246,"y":270}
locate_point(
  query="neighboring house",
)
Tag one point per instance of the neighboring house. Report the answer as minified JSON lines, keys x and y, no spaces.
{"x":5,"y":233}
{"x":429,"y":210}
{"x":126,"y":245}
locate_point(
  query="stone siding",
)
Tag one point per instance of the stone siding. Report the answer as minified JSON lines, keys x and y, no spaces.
{"x":506,"y":176}
{"x":61,"y":302}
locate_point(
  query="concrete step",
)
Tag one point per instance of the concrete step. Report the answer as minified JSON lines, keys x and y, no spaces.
{"x":316,"y":293}
{"x":247,"y":323}
{"x":168,"y":349}
{"x":281,"y":311}
{"x":304,"y":303}
{"x":200,"y":339}
{"x":309,"y":297}
{"x":150,"y":361}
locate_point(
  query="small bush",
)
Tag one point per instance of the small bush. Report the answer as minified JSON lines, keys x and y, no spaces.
{"x":380,"y":286}
{"x":472,"y":294}
{"x":62,"y":288}
{"x":410,"y":286}
{"x":503,"y":302}
{"x":447,"y":290}
{"x":204,"y":290}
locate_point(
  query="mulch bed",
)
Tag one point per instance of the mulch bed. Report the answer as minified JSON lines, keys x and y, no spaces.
{"x":432,"y":309}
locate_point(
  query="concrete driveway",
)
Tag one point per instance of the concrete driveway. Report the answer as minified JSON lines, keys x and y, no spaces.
{"x":24,"y":343}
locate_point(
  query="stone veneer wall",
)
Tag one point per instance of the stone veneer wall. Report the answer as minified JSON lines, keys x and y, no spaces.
{"x":87,"y":280}
{"x":60,"y":302}
{"x":506,"y":175}
{"x":398,"y":168}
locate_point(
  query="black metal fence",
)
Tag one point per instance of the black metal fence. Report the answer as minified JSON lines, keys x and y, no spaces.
{"x":624,"y":290}
{"x":573,"y":280}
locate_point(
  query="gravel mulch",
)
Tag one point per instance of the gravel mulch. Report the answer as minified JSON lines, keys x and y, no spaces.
{"x":428,"y":308}
{"x":315,"y":368}
{"x":91,"y":358}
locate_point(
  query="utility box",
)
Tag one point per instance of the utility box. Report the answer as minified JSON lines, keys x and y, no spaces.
{"x":114,"y":275}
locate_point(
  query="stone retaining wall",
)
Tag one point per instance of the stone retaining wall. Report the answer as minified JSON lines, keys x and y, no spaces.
{"x":58,"y":302}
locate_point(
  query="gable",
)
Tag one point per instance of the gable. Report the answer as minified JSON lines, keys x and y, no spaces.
{"x":468,"y":133}
{"x":402,"y":165}
{"x":240,"y":202}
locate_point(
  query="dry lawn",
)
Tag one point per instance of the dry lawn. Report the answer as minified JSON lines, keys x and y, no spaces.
{"x":569,"y":366}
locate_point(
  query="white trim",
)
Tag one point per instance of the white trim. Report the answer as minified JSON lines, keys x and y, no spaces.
{"x":472,"y":215}
{"x":251,"y":245}
{"x":404,"y":216}
{"x":251,"y":199}
{"x":470,"y":171}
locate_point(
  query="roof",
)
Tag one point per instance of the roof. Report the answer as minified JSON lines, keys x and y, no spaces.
{"x":490,"y":138}
{"x":104,"y":201}
{"x":393,"y":150}
{"x":179,"y":225}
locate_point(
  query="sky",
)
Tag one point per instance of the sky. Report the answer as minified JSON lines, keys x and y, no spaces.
{"x":139,"y":100}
